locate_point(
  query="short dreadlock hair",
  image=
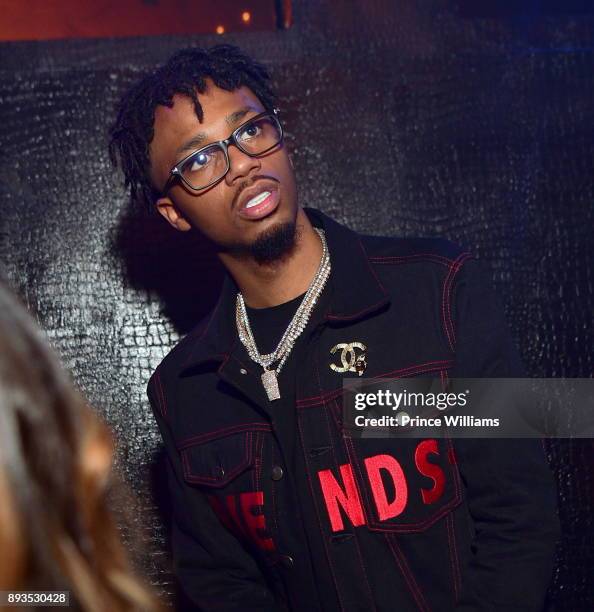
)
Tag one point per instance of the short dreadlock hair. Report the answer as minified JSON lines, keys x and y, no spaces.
{"x":185,"y":73}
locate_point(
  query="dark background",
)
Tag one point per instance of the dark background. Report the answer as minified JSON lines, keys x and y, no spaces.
{"x":470,"y":120}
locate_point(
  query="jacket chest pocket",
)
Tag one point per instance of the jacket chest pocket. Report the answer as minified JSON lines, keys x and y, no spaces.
{"x":406,"y":485}
{"x":224,"y":458}
{"x":226,"y":464}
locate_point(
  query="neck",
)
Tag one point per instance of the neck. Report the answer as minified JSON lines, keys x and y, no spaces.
{"x":265,"y":285}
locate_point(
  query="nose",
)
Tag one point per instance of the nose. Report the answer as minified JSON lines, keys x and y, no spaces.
{"x":241,"y":165}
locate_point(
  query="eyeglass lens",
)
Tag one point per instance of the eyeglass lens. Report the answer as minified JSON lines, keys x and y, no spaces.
{"x":210,"y":164}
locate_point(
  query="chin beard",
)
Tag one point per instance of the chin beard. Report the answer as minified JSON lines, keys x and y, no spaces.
{"x":275,"y":243}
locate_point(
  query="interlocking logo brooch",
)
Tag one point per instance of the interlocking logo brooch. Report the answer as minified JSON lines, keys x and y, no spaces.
{"x":350,"y":361}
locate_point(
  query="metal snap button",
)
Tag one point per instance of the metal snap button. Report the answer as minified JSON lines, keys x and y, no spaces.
{"x":287,"y":561}
{"x":243,"y":371}
{"x":277,"y":472}
{"x":219,"y":472}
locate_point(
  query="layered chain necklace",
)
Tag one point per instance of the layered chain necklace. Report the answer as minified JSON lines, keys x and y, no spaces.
{"x":293,"y":331}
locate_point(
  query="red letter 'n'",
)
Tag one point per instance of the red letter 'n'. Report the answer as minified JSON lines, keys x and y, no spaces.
{"x":347,"y":499}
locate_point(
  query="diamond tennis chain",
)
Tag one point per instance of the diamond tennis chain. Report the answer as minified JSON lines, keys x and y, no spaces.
{"x":293,"y":331}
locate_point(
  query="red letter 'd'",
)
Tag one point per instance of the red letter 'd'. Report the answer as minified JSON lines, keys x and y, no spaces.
{"x":385,"y":509}
{"x":430,"y":470}
{"x":348,"y":499}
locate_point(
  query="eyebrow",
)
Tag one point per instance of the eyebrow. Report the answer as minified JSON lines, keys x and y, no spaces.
{"x":197,"y":140}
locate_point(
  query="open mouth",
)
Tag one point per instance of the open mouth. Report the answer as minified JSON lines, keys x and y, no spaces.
{"x":261,"y":205}
{"x":258,"y":199}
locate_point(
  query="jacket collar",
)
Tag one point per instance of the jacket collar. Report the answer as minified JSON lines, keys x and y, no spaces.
{"x":355,"y":292}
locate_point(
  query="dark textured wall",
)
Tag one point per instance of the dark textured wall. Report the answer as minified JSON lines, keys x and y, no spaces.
{"x":403,"y":120}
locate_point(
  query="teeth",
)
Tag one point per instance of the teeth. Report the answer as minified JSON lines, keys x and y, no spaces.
{"x":259,"y":198}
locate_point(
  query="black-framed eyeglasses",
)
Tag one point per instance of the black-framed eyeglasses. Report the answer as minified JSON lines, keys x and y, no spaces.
{"x":208,"y":165}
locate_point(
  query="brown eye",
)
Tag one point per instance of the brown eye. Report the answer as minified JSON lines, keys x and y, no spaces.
{"x":198,"y":162}
{"x":254,"y":130}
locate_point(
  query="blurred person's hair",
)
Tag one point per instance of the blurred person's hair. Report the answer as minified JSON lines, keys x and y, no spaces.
{"x":185,"y":73}
{"x":57,"y":529}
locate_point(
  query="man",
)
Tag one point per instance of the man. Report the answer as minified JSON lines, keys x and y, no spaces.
{"x":275,"y":506}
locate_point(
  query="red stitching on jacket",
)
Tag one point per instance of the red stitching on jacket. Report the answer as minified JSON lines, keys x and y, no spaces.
{"x":260,"y":461}
{"x":336,"y":466}
{"x":324,"y":538}
{"x":360,"y":313}
{"x":444,"y":292}
{"x":205,"y":329}
{"x":325,"y":406}
{"x":377,"y":280}
{"x":416,"y":527}
{"x":201,"y":479}
{"x":317,"y":400}
{"x":356,"y":314}
{"x":446,"y":297}
{"x":453,"y":556}
{"x":449,"y":302}
{"x":317,"y":369}
{"x":222,"y":433}
{"x":451,"y":455}
{"x":248,"y":459}
{"x":469,"y":256}
{"x":329,"y":395}
{"x":397,"y":259}
{"x":421,"y":368}
{"x":458,"y":572}
{"x":361,"y":485}
{"x":408,"y":576}
{"x":274,"y":513}
{"x":408,"y":527}
{"x":249,"y":436}
{"x":249,"y":447}
{"x":225,"y":357}
{"x":450,"y":281}
{"x":330,"y":436}
{"x":163,"y":402}
{"x":370,"y":592}
{"x":335,"y":413}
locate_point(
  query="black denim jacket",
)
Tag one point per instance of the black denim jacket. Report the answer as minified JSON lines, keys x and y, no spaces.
{"x":478,"y":525}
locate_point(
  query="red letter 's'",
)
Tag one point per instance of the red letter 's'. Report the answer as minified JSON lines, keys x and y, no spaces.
{"x":430,"y":470}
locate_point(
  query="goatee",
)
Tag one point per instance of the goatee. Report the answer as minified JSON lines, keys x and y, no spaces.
{"x":274,"y":243}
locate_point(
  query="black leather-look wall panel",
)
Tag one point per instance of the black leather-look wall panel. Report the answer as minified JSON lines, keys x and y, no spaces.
{"x":403,"y":120}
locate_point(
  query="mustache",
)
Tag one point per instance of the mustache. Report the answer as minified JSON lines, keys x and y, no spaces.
{"x":246,"y":184}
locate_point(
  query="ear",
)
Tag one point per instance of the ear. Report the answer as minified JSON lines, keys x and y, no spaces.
{"x":172,"y":214}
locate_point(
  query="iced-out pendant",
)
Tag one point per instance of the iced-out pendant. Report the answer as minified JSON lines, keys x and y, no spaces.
{"x":270,"y":383}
